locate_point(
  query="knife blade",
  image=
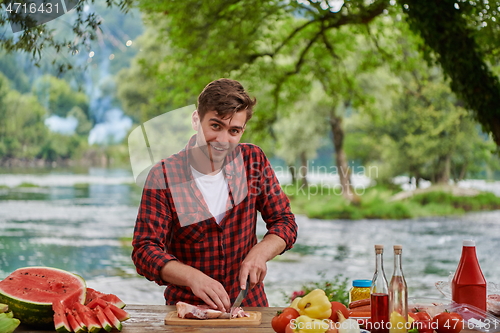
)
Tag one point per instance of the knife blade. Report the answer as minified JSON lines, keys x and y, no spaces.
{"x":239,"y":299}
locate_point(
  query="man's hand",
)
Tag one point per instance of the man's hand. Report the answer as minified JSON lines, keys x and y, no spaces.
{"x":254,"y":266}
{"x":211,"y":291}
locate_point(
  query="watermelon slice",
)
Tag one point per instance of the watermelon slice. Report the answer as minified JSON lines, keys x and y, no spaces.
{"x":121,"y":314}
{"x":103,"y":320}
{"x":88,"y":317}
{"x":113,"y":299}
{"x":60,"y":321}
{"x":78,"y":318}
{"x":74,"y":323}
{"x":112,"y":318}
{"x":92,"y":294}
{"x":31,"y":291}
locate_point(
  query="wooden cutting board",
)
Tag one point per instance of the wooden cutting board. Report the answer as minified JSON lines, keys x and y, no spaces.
{"x":255,"y":319}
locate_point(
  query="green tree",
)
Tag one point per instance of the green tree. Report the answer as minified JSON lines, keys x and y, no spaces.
{"x":58,"y":97}
{"x":299,"y":135}
{"x":452,"y":30}
{"x":421,"y":129}
{"x":463,"y":36}
{"x":136,"y":85}
{"x":22,"y":130}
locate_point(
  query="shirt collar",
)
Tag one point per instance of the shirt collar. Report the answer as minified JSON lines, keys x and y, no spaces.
{"x":231,"y":162}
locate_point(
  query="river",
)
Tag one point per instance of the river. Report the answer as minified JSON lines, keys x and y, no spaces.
{"x":82,"y":221}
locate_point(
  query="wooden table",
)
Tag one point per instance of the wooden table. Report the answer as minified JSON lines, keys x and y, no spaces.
{"x":150,"y":318}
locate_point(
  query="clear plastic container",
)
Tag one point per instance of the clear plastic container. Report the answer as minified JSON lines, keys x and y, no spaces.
{"x":474,"y":318}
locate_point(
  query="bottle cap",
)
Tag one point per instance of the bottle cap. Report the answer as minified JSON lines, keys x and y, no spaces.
{"x":398,"y":247}
{"x":469,"y":242}
{"x":362,"y":283}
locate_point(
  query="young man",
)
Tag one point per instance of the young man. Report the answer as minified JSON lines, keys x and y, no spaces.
{"x":195,"y":229}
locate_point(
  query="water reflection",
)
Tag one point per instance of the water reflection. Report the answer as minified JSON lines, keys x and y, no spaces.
{"x":83,"y":223}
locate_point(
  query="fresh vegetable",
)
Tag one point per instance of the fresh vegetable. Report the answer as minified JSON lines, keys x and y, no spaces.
{"x":448,"y":322}
{"x":422,"y":321}
{"x":347,"y":325}
{"x":283,"y":318}
{"x":30,"y":292}
{"x":337,"y":306}
{"x":315,"y":305}
{"x":290,"y":328}
{"x":295,"y":303}
{"x":306,"y":324}
{"x":333,"y":327}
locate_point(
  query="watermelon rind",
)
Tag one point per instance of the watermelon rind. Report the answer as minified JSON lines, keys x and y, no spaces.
{"x":73,"y":322}
{"x":112,"y":318}
{"x":120,"y":314}
{"x":88,"y":317}
{"x":113,"y":299}
{"x":31,"y":312}
{"x":102,"y":319}
{"x":61,"y":323}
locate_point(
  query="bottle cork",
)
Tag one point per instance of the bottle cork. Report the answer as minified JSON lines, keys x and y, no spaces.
{"x":398,"y":249}
{"x":379,"y":248}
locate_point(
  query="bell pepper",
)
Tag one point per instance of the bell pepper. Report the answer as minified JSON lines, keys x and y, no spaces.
{"x":295,"y":302}
{"x":306,"y":324}
{"x":315,"y":305}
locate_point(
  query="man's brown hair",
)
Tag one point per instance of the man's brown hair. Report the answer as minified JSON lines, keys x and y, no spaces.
{"x":226,"y":97}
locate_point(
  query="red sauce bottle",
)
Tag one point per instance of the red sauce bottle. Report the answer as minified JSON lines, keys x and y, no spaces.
{"x":468,"y":285}
{"x":379,"y":295}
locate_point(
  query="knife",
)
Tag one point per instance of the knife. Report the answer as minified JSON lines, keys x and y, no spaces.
{"x":239,"y":299}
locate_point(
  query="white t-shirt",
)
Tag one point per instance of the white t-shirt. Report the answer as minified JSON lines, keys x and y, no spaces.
{"x":214,"y":190}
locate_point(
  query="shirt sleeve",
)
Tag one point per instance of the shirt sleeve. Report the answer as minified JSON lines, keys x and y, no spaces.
{"x":152,"y":225}
{"x":274,"y":205}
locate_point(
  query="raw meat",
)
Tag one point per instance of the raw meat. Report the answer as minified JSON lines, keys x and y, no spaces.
{"x":189,"y":311}
{"x":493,"y":304}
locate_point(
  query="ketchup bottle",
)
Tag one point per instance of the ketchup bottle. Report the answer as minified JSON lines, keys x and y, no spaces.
{"x":468,"y":285}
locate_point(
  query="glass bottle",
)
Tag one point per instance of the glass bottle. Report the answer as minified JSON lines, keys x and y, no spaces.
{"x":379,"y":295}
{"x":468,"y":285}
{"x":398,"y":295}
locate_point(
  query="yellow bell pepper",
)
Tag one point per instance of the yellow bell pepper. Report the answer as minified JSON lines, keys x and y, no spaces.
{"x":305,"y":324}
{"x":295,"y":302}
{"x":315,"y":305}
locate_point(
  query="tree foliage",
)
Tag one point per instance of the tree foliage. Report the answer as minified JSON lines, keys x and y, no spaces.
{"x":450,"y":29}
{"x":58,"y":96}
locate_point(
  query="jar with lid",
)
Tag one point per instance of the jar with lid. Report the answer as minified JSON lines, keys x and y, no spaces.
{"x":360,"y":290}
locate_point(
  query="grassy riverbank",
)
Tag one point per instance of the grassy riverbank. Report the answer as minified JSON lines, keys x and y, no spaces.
{"x":380,"y":202}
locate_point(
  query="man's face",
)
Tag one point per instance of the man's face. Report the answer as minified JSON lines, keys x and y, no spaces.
{"x":217,"y":137}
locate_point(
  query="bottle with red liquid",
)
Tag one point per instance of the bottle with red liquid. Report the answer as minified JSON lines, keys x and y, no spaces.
{"x":468,"y":285}
{"x":379,"y":294}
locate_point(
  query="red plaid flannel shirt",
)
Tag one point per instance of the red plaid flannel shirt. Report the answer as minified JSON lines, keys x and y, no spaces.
{"x":174,"y":223}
